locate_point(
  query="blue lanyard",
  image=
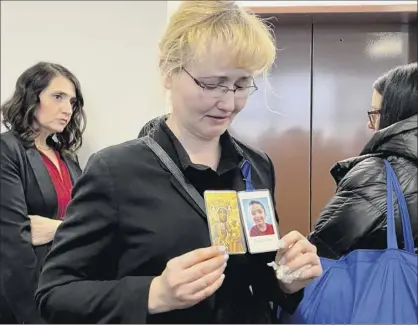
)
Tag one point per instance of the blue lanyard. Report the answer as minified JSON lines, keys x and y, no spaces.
{"x":246,"y":174}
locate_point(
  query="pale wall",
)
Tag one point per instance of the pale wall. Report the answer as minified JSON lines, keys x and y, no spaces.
{"x":111,"y":46}
{"x":320,"y":3}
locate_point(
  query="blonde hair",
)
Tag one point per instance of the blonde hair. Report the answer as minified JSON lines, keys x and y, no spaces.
{"x":197,"y":27}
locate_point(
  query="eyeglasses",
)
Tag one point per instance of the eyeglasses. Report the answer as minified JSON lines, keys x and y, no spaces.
{"x":373,"y":115}
{"x":218,"y":91}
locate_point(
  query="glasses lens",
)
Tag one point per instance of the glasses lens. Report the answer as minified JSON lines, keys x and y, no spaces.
{"x":215,"y":92}
{"x":373,"y":116}
{"x":370,"y":120}
{"x":218,"y":92}
{"x":245,"y":92}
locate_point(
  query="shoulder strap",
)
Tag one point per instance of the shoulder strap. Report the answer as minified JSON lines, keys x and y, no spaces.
{"x":393,"y":185}
{"x":175,"y":171}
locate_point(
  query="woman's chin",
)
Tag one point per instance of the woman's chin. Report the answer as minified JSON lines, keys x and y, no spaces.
{"x":214,"y":132}
{"x":58,"y":128}
{"x":215,"y":129}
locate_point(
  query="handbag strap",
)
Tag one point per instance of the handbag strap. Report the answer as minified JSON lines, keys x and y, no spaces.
{"x":393,"y":185}
{"x":406,"y":220}
{"x":175,"y":171}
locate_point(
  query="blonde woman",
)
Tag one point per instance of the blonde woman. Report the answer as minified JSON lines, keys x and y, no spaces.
{"x":135,"y":248}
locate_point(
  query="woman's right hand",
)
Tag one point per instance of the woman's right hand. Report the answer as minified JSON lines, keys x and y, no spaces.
{"x":188,"y":279}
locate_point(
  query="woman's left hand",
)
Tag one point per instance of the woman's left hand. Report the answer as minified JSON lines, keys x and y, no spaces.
{"x":43,"y":229}
{"x":298,"y":253}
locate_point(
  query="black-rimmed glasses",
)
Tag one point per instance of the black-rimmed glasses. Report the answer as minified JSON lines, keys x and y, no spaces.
{"x":217,"y":91}
{"x":373,"y":116}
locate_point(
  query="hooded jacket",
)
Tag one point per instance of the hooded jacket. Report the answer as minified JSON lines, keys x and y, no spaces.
{"x":355,"y":217}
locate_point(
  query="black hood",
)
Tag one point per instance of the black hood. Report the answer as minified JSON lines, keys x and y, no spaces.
{"x":399,"y":139}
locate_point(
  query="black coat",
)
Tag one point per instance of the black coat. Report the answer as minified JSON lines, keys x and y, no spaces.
{"x":26,"y":189}
{"x":129,"y":216}
{"x":355,"y":218}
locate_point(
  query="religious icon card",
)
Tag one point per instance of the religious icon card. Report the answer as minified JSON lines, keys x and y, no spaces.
{"x":224,"y":220}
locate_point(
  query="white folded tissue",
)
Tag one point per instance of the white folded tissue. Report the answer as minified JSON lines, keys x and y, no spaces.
{"x":283,"y":275}
{"x":282,"y":271}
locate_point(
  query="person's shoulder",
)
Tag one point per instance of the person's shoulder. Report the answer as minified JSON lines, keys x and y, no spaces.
{"x":124,"y":149}
{"x":9,"y":138}
{"x":10,"y":144}
{"x":132,"y":152}
{"x":369,"y":170}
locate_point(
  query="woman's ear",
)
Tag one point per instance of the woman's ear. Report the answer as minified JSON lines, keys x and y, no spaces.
{"x":167,"y":81}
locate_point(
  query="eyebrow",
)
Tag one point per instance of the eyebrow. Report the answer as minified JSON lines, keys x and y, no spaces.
{"x":59,"y":92}
{"x":214,"y":77}
{"x":223,"y":78}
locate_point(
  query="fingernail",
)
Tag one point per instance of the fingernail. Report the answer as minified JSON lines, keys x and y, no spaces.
{"x":282,"y":261}
{"x":226,"y":256}
{"x":222,"y":249}
{"x":225,"y":265}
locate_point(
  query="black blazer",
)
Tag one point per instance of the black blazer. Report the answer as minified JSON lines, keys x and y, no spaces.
{"x":128,"y":218}
{"x":26,"y":189}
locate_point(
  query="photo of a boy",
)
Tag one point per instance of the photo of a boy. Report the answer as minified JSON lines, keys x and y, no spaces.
{"x":258,"y":213}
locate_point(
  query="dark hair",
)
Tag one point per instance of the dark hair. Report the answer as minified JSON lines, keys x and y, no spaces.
{"x":252,"y":202}
{"x":19,"y":111}
{"x":399,"y":91}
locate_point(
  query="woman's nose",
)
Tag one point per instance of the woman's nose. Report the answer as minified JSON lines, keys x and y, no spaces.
{"x":227,"y":102}
{"x":67,"y":108}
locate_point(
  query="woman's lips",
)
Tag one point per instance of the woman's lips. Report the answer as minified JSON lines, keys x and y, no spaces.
{"x":218,"y":117}
{"x":218,"y":120}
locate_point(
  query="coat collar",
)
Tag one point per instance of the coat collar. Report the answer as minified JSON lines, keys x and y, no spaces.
{"x":43,"y":179}
{"x":231,"y":158}
{"x":399,"y":139}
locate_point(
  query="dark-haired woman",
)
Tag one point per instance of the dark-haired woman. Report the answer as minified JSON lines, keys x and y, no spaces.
{"x":355,"y":218}
{"x":39,"y":166}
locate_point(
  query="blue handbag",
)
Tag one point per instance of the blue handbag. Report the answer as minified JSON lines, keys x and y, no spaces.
{"x":367,"y":286}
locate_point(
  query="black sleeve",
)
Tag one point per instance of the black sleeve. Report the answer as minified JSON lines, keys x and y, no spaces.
{"x":18,"y":262}
{"x":265,"y":282}
{"x":73,"y":287}
{"x":347,"y":217}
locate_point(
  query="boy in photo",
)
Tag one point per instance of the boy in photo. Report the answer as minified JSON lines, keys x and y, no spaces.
{"x":258,"y":214}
